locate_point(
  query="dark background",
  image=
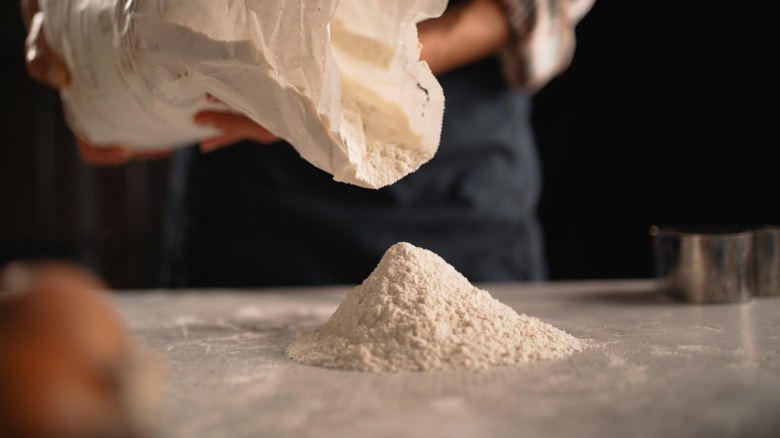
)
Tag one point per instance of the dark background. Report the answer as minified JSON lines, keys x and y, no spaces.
{"x":667,"y":115}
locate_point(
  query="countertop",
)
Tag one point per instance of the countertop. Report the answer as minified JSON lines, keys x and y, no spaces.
{"x":656,"y":367}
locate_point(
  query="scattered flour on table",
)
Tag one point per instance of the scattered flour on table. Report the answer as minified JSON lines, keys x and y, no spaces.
{"x":415,"y":312}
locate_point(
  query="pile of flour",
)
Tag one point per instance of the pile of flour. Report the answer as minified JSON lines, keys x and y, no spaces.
{"x":415,"y":312}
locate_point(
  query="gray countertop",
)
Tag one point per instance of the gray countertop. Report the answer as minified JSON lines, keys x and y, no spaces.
{"x":658,"y":368}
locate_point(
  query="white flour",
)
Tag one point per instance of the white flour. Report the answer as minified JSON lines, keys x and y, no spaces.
{"x":415,"y":312}
{"x":380,"y":136}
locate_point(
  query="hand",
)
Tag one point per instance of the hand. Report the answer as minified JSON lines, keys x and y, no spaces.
{"x":42,"y":64}
{"x":235,"y":127}
{"x":47,"y":68}
{"x":114,"y":155}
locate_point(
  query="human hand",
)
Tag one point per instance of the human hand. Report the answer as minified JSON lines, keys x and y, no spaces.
{"x":234,"y":127}
{"x":46,"y":67}
{"x":114,"y":155}
{"x":42,"y":64}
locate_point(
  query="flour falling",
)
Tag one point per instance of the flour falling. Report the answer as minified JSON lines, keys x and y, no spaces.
{"x":415,"y":312}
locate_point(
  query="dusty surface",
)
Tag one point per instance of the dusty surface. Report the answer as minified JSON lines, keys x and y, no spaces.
{"x":658,"y":368}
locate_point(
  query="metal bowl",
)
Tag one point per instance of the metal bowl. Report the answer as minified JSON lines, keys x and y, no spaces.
{"x":766,"y":258}
{"x":704,"y":264}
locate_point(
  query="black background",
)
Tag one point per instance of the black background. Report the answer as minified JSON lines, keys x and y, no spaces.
{"x":667,"y":115}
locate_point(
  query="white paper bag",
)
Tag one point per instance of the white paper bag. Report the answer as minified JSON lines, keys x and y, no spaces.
{"x":339,"y":80}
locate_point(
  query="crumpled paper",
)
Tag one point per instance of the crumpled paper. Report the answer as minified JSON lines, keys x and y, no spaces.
{"x":341,"y":81}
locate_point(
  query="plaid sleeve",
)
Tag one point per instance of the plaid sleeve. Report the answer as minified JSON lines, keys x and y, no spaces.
{"x":543,"y":40}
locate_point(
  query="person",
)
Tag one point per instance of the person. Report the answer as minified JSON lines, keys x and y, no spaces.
{"x":242,"y":214}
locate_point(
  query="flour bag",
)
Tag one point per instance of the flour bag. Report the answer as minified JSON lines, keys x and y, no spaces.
{"x":339,"y":80}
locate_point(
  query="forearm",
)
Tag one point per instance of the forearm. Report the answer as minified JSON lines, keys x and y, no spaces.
{"x":464,"y":34}
{"x":543,"y":40}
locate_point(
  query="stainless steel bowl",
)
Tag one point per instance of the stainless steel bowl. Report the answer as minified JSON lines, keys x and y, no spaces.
{"x":766,"y":258}
{"x":704,"y":265}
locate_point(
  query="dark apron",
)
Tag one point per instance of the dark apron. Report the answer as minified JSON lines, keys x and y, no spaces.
{"x":253,"y":215}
